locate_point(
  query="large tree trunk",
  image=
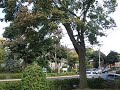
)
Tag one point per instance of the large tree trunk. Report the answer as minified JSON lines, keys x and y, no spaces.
{"x":82,"y":69}
{"x":80,"y":49}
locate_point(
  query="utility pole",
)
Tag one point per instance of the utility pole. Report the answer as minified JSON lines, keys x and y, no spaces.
{"x":99,"y":59}
{"x":55,"y":58}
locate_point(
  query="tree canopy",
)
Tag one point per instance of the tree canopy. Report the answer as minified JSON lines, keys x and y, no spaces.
{"x":112,"y":57}
{"x":94,"y":55}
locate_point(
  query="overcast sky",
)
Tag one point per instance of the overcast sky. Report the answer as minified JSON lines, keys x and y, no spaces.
{"x":111,"y":42}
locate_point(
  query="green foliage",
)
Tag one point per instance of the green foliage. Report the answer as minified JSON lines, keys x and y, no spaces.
{"x":19,"y":75}
{"x":10,"y":75}
{"x":14,"y":85}
{"x":60,"y":50}
{"x":72,"y":58}
{"x":34,"y":79}
{"x":96,"y":83}
{"x":70,"y":84}
{"x":66,"y":84}
{"x":2,"y":55}
{"x":87,"y":18}
{"x":2,"y":69}
{"x":113,"y":85}
{"x":13,"y":64}
{"x":60,"y":74}
{"x":94,"y":55}
{"x":118,"y":82}
{"x":112,"y":57}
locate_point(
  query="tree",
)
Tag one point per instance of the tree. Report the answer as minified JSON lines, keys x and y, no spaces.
{"x":72,"y":58}
{"x":94,"y":55}
{"x":2,"y":55}
{"x":29,"y":40}
{"x":112,"y":57}
{"x":2,"y":51}
{"x":81,"y":19}
{"x":87,"y":19}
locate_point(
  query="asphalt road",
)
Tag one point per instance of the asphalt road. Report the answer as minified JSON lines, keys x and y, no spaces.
{"x":63,"y":77}
{"x":49,"y":78}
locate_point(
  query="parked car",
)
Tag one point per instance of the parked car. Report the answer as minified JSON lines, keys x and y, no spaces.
{"x":102,"y":70}
{"x":98,"y":71}
{"x":92,"y":74}
{"x":105,"y":70}
{"x":109,"y":76}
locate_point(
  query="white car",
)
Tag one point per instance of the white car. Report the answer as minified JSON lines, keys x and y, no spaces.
{"x":98,"y":71}
{"x":92,"y":74}
{"x":109,"y":76}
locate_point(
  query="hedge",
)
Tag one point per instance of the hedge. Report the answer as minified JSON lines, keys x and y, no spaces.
{"x":14,"y":85}
{"x":10,"y":75}
{"x":66,"y":84}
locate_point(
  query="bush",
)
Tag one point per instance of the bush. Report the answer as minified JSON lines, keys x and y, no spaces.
{"x":14,"y":85}
{"x":34,"y":79}
{"x":118,"y":82}
{"x":2,"y":69}
{"x":96,"y":83}
{"x":10,"y":75}
{"x":111,"y":85}
{"x":66,"y":84}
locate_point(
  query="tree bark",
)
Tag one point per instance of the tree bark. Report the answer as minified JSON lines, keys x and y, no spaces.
{"x":80,"y":49}
{"x":82,"y":69}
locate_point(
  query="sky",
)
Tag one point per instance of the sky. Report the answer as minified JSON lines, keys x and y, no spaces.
{"x":109,"y":43}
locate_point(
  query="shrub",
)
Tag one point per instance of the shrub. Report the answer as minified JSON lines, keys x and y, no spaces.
{"x":110,"y":85}
{"x":66,"y":84}
{"x":14,"y":85}
{"x":96,"y":83}
{"x":2,"y":69}
{"x":70,"y":84}
{"x":10,"y":75}
{"x":34,"y":79}
{"x":118,"y":82}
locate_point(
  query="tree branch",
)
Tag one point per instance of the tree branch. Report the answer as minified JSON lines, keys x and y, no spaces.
{"x":63,"y":7}
{"x":70,"y":33}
